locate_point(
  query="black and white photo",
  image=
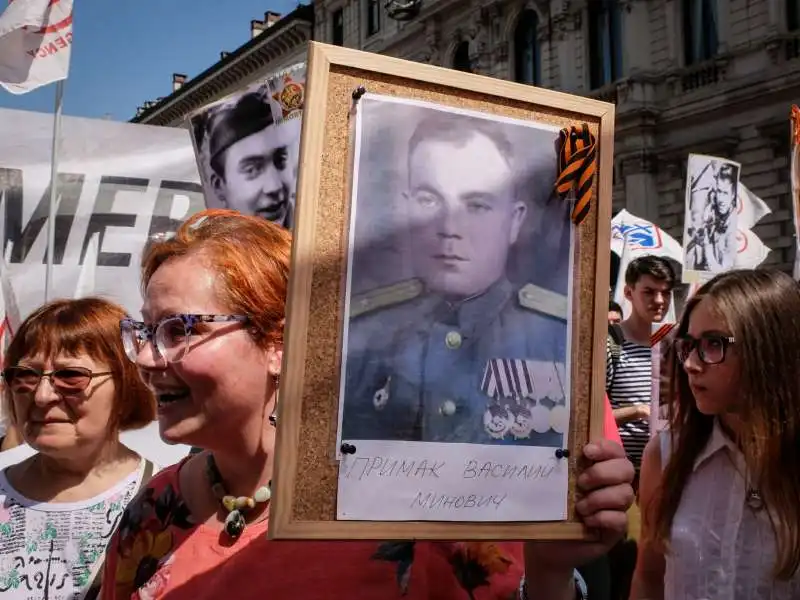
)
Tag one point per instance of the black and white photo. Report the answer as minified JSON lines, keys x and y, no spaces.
{"x":709,"y":239}
{"x":247,"y":147}
{"x":458,"y":285}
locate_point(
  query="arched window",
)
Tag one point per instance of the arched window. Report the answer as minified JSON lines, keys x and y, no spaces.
{"x":700,"y":37}
{"x":527,"y":59}
{"x":461,"y":61}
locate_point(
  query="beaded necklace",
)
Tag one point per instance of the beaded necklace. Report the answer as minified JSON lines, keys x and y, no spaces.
{"x":237,"y":507}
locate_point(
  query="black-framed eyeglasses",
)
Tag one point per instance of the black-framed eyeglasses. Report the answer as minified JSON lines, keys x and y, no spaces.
{"x":66,"y":380}
{"x":170,"y":335}
{"x":711,"y":348}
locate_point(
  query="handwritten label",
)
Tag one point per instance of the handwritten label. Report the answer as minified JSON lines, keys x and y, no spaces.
{"x":385,"y":467}
{"x":401,"y":481}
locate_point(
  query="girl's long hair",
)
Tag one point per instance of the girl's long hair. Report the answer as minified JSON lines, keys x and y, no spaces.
{"x":761,"y":309}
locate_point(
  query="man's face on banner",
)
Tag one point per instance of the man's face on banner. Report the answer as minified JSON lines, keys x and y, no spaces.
{"x":258,"y":175}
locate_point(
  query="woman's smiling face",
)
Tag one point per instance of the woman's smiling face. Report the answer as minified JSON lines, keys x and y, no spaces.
{"x":223,"y":378}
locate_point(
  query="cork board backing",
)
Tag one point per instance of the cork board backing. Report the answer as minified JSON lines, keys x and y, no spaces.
{"x":306,"y":469}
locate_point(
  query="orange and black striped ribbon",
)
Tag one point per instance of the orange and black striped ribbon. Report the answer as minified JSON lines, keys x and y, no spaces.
{"x":795,"y":118}
{"x":577,"y":164}
{"x":660,"y":333}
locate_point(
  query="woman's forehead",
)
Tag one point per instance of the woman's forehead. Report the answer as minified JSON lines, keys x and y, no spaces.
{"x":184,"y":285}
{"x":705,"y":317}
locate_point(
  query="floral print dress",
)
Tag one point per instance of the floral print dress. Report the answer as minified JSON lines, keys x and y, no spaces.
{"x":158,"y":552}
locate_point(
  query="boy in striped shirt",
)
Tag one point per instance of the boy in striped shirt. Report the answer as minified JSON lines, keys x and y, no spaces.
{"x":648,"y":285}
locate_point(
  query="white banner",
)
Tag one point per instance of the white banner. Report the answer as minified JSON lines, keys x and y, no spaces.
{"x":35,"y":43}
{"x":119,"y":181}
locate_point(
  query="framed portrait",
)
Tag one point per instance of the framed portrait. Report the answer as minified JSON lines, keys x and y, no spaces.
{"x":444,"y":356}
{"x":710,"y":242}
{"x":247,"y":147}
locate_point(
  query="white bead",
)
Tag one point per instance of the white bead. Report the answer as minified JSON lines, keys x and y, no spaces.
{"x":263,"y":494}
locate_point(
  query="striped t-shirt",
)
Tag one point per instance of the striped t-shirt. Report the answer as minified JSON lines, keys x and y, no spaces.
{"x":629,"y":383}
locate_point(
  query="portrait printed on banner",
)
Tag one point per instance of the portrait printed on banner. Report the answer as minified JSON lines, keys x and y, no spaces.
{"x":248,"y":145}
{"x":709,"y":239}
{"x":458,"y":282}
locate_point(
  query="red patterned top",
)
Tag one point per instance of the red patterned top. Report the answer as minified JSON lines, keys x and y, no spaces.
{"x":157,"y":552}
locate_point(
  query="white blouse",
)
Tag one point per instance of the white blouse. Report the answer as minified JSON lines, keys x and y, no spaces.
{"x":720,"y":548}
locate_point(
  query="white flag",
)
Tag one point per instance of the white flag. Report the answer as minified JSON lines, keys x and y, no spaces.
{"x":750,"y":207}
{"x":644,"y":238}
{"x":750,"y":251}
{"x":35,"y":43}
{"x":85,"y":285}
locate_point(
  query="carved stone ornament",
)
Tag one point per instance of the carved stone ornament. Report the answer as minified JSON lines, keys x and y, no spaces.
{"x":403,"y":10}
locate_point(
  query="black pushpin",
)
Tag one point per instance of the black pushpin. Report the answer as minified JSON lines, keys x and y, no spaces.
{"x":562,"y":453}
{"x":358,"y":92}
{"x":347,"y":448}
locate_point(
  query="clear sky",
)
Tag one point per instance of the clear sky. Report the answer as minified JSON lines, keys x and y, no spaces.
{"x":125,"y":51}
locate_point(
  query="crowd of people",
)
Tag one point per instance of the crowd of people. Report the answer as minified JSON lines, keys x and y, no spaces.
{"x":85,"y":517}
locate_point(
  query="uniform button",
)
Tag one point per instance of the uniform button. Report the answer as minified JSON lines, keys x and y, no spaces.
{"x":448,"y":408}
{"x":452,"y":340}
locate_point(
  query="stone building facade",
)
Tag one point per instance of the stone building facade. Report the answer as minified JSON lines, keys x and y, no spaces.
{"x":276,"y":42}
{"x":704,"y":76}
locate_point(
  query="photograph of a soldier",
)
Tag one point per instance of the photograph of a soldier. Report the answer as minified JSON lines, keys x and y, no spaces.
{"x":710,"y":230}
{"x":459,"y":280}
{"x":248,"y":155}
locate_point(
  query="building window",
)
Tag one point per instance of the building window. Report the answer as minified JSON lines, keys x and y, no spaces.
{"x":792,"y":15}
{"x":461,"y":61}
{"x":527,"y":59}
{"x":337,"y":35}
{"x":373,"y":17}
{"x":700,"y":38}
{"x":605,"y":43}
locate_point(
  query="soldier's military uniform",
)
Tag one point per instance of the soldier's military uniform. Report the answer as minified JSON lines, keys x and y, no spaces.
{"x":415,"y":363}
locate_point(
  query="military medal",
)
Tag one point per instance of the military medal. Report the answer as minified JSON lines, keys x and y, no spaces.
{"x":497,"y":421}
{"x":559,"y":418}
{"x":540,"y":418}
{"x":523,"y":422}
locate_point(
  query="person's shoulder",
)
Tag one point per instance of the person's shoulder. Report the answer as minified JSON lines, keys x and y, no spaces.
{"x":532,"y":299}
{"x":159,"y":480}
{"x":395,"y":297}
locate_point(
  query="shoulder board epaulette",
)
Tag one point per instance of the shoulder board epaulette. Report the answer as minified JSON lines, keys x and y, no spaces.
{"x":384,"y":297}
{"x":543,"y":301}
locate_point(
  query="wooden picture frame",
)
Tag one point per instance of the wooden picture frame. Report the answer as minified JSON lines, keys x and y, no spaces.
{"x":307,"y":455}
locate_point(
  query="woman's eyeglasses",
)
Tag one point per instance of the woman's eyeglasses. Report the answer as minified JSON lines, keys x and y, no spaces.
{"x":69,"y":380}
{"x":711,"y":348}
{"x":170,"y":336}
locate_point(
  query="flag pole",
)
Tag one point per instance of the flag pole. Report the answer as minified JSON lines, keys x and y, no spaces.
{"x":51,"y":221}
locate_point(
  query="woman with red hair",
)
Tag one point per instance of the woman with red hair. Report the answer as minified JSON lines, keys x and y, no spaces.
{"x":210,"y":347}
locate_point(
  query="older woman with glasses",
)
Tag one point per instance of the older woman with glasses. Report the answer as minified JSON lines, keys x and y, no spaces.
{"x":70,"y":390}
{"x":210,"y":348}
